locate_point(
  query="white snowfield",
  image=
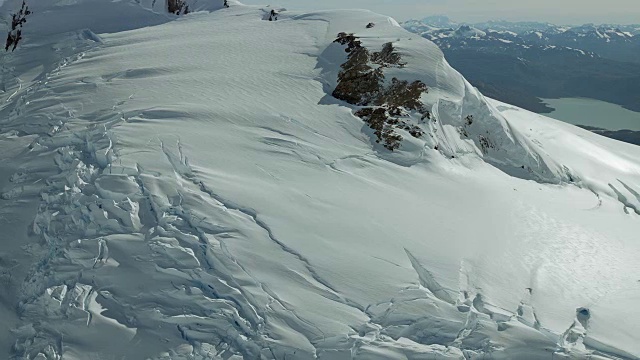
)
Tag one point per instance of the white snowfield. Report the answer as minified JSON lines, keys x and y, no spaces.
{"x":188,"y":188}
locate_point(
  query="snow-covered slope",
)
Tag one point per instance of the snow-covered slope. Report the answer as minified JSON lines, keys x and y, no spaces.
{"x":191,"y":190}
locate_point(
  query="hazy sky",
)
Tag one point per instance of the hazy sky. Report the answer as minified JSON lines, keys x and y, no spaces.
{"x":555,"y":11}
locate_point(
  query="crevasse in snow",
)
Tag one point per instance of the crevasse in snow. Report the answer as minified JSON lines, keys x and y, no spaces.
{"x":187,"y":188}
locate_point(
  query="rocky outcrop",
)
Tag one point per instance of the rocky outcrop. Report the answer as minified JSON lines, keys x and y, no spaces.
{"x":178,"y":7}
{"x":386,"y":107}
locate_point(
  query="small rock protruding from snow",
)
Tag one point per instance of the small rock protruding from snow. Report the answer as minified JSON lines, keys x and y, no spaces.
{"x":273,"y":15}
{"x":178,"y":7}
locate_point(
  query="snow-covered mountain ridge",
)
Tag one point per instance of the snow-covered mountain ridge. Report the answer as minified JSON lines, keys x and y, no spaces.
{"x":617,"y":42}
{"x":188,"y":188}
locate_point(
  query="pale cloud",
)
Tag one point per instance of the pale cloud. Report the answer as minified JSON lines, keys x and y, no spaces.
{"x":558,"y":11}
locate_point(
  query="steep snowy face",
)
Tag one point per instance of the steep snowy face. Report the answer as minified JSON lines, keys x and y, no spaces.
{"x":462,"y":122}
{"x":193,"y":190}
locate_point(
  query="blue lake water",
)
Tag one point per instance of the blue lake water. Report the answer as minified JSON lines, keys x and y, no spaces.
{"x":593,"y":113}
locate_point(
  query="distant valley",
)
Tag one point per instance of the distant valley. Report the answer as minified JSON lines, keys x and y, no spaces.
{"x":521,"y":63}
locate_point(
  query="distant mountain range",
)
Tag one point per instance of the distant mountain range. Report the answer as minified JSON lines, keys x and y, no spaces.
{"x":522,"y":62}
{"x":615,"y":42}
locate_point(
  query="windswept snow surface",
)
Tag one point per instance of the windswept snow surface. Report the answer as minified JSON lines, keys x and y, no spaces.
{"x":190,"y":190}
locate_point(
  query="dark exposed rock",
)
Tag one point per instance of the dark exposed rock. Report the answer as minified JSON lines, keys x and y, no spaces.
{"x":17,"y":21}
{"x":387,"y":57}
{"x":350,"y":40}
{"x":361,"y":82}
{"x":178,"y":7}
{"x":380,"y":122}
{"x":401,"y":94}
{"x":273,"y":15}
{"x":486,"y":144}
{"x":468,"y":120}
{"x":358,"y":82}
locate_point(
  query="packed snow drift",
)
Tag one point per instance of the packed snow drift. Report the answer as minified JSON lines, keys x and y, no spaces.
{"x":188,"y":187}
